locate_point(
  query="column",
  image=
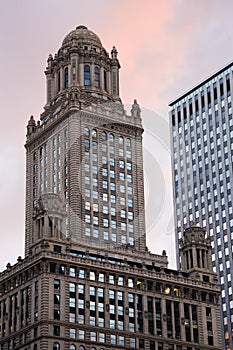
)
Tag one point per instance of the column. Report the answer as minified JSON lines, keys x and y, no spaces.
{"x":81,"y":74}
{"x":101,"y":78}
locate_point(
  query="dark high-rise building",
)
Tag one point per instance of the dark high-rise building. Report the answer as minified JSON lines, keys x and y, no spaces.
{"x":88,"y":281}
{"x":202,"y":150}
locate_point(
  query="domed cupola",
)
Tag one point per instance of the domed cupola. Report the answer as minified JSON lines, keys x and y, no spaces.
{"x":82,"y":64}
{"x":83,"y":36}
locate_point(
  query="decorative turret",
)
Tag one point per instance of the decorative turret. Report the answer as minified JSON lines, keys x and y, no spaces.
{"x":82,"y":61}
{"x":195,"y":250}
{"x":49,"y":215}
{"x":115,"y":66}
{"x":31,"y":126}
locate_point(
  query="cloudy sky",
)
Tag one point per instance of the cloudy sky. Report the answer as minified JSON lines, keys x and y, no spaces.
{"x":165,"y":48}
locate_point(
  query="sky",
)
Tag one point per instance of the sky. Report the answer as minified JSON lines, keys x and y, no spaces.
{"x":164,"y":47}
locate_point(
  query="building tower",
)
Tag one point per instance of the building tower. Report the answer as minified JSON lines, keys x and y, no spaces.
{"x":86,"y":151}
{"x":201,"y":127}
{"x":88,"y":281}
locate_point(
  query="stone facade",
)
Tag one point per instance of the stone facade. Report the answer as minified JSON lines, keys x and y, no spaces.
{"x":68,"y":296}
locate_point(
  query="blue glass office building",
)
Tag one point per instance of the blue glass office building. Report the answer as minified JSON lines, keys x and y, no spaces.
{"x":201,"y":126}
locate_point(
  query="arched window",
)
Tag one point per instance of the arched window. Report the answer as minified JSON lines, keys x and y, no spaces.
{"x":35,"y":347}
{"x":87,"y":75}
{"x":104,"y":135}
{"x":41,"y":151}
{"x":56,"y":346}
{"x":105,"y":81}
{"x":66,"y":77}
{"x":81,"y":347}
{"x":121,"y":140}
{"x":94,"y":133}
{"x":72,"y":347}
{"x":86,"y":131}
{"x":128,"y":142}
{"x":97,"y":77}
{"x":111,"y":137}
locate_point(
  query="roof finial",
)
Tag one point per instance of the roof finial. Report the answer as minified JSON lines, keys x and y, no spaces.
{"x":114,"y":53}
{"x":135,"y":111}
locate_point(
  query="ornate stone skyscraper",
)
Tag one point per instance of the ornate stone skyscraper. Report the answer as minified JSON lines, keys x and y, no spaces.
{"x":85,"y":152}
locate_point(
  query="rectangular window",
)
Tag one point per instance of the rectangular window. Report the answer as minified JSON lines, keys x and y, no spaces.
{"x":56,"y":284}
{"x":123,"y":213}
{"x":128,"y":154}
{"x":122,"y":164}
{"x":101,"y":277}
{"x":56,"y":315}
{"x":130,"y":215}
{"x":81,"y":334}
{"x":72,"y":333}
{"x":113,"y":224}
{"x":122,"y":177}
{"x":105,"y":197}
{"x":121,"y":152}
{"x":72,"y":287}
{"x":95,"y":182}
{"x":95,"y":194}
{"x":113,"y":198}
{"x":113,"y":186}
{"x":132,"y":343}
{"x":130,"y":190}
{"x":111,"y":281}
{"x":87,"y":231}
{"x":95,"y":220}
{"x":94,"y":157}
{"x":122,"y":188}
{"x":81,"y":273}
{"x":121,"y":340}
{"x":93,"y":336}
{"x":105,"y":209}
{"x":122,"y":200}
{"x":101,"y":337}
{"x":105,"y":184}
{"x":87,"y":219}
{"x":104,"y":171}
{"x":104,"y":160}
{"x":105,"y":222}
{"x":120,"y":281}
{"x":72,"y":272}
{"x":56,"y":299}
{"x":72,"y":302}
{"x":112,"y":161}
{"x":95,"y":233}
{"x":123,"y":226}
{"x":87,"y":180}
{"x":56,"y":330}
{"x":92,"y":275}
{"x":129,"y":166}
{"x":112,"y":174}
